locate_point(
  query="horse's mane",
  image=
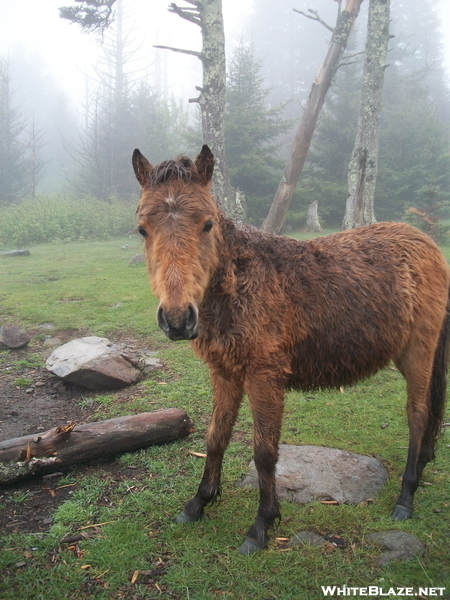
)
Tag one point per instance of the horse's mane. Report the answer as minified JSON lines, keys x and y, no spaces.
{"x":180,"y":168}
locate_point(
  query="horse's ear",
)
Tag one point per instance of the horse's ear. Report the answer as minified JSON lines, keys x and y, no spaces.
{"x":204,"y":163}
{"x":142,"y":167}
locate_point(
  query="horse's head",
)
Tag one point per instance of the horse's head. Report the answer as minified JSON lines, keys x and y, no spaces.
{"x":179,"y":221}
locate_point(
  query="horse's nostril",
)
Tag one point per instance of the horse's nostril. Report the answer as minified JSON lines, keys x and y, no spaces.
{"x":191,"y":317}
{"x":162,"y":321}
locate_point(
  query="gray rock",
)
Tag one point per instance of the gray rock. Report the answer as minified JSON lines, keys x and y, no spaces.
{"x":51,"y":342}
{"x":94,"y":363}
{"x":306,"y":537}
{"x":13,"y":337}
{"x":137,"y":258}
{"x":13,"y":253}
{"x":398,"y":545}
{"x":307,"y":473}
{"x":149,"y":362}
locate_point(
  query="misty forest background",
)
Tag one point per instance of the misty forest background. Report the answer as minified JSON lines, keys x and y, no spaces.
{"x":65,"y":171}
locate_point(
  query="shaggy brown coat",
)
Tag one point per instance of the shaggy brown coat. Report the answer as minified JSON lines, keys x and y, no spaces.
{"x":269,"y":313}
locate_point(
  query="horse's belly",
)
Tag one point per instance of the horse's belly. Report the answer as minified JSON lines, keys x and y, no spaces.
{"x":330,"y":363}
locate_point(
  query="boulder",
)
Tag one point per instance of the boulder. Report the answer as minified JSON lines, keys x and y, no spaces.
{"x":13,"y":337}
{"x":95,"y":363}
{"x":307,"y":473}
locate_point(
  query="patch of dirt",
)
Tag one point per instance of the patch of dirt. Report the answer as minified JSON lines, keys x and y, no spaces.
{"x":28,"y":505}
{"x":32,"y":400}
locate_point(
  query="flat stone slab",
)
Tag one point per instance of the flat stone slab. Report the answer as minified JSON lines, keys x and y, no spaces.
{"x":94,"y":363}
{"x":307,"y":473}
{"x":308,"y":538}
{"x":397,"y":544}
{"x":136,"y":259}
{"x":13,"y":253}
{"x":13,"y":337}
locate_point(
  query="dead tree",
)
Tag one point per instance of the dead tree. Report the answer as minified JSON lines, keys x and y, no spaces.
{"x":277,"y":214}
{"x":312,"y":218}
{"x":68,"y":445}
{"x":207,"y":14}
{"x":363,"y":166}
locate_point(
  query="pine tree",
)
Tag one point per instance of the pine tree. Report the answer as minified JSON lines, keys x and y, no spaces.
{"x":325,"y":175}
{"x":14,"y":180}
{"x":160,"y":127}
{"x":105,"y":145}
{"x":414,"y":134}
{"x":251,"y":130}
{"x":292,"y":46}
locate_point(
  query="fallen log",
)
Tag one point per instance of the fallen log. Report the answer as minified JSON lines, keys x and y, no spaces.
{"x":71,"y":444}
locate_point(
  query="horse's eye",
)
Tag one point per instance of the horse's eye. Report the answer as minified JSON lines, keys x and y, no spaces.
{"x":142,"y":231}
{"x":208,"y":226}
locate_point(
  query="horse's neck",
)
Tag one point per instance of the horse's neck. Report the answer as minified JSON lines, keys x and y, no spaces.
{"x":223,"y":280}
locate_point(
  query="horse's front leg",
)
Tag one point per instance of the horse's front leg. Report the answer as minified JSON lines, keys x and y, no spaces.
{"x":266,"y":401}
{"x":227,"y":397}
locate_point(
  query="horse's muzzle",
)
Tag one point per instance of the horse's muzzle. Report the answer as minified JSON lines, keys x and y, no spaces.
{"x":179,"y":325}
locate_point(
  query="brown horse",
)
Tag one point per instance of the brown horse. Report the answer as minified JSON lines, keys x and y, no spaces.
{"x":268,"y":313}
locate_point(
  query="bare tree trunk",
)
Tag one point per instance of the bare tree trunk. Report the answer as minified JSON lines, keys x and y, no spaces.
{"x":68,"y":445}
{"x":207,"y":14}
{"x":277,"y":213}
{"x":312,"y":218}
{"x":363,"y":166}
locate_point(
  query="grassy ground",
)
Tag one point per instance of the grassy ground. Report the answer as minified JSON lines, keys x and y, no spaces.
{"x":138,"y":552}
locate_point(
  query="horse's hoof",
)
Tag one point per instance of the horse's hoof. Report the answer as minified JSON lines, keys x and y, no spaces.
{"x":401,"y":513}
{"x":250,"y":546}
{"x":184,"y":518}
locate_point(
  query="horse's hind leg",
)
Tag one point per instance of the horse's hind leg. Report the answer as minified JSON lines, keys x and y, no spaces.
{"x":227,"y":397}
{"x":418,"y":374}
{"x":266,"y":401}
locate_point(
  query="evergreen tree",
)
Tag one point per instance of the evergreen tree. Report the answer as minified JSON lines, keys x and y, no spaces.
{"x":325,"y":175}
{"x":251,"y":130}
{"x":418,"y":49}
{"x":414,"y":150}
{"x":292,"y":46}
{"x":160,"y":127}
{"x":414,"y":135}
{"x":106,"y":142}
{"x":50,"y":122}
{"x":14,"y":180}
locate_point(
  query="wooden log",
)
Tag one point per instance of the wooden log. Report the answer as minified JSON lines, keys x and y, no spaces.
{"x":70,"y":444}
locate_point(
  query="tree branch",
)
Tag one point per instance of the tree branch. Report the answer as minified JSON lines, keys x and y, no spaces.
{"x":92,"y":15}
{"x":347,"y":56}
{"x":314,"y":18}
{"x":189,"y":14}
{"x":191,"y":52}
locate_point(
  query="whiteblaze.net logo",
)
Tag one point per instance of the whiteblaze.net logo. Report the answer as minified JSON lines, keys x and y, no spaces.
{"x":373,"y":590}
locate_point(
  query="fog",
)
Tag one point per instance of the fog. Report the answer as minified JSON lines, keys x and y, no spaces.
{"x":56,"y":73}
{"x":70,"y":54}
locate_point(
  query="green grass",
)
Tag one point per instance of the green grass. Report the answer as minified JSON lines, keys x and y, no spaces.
{"x":79,"y":286}
{"x":138,"y":552}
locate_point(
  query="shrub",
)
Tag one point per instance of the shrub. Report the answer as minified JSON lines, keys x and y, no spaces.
{"x":54,"y":219}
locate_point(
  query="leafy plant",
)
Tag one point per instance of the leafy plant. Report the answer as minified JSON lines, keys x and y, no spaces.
{"x":53,"y":219}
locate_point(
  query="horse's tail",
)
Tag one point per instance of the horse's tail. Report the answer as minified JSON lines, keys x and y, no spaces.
{"x":438,"y":382}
